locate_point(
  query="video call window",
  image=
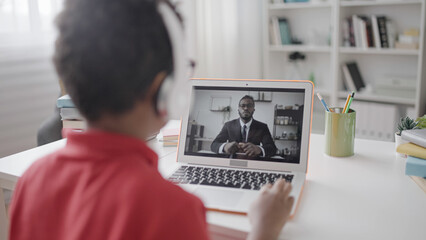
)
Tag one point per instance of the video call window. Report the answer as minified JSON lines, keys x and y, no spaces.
{"x":246,"y":123}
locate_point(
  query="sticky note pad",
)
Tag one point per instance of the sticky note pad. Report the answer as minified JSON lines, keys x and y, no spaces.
{"x":415,"y":166}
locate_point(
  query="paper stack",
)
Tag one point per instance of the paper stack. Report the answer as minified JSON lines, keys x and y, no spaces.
{"x":416,"y":151}
{"x":170,"y":137}
{"x":72,"y":121}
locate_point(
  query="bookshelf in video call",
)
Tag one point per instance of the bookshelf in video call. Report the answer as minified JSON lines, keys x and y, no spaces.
{"x":319,"y":25}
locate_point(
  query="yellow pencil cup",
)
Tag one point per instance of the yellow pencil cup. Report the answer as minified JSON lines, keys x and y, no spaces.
{"x":340,"y":132}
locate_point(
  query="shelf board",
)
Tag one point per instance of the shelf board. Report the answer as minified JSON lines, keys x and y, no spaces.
{"x":390,"y":51}
{"x":300,"y":48}
{"x":378,"y":98}
{"x":377,"y":3}
{"x":301,"y":5}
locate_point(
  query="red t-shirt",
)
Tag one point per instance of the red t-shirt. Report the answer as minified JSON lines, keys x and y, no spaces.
{"x":102,"y":186}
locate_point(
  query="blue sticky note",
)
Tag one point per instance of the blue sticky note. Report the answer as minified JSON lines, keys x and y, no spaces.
{"x":415,"y":167}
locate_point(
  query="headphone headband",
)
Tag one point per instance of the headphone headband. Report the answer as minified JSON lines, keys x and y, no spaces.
{"x":173,"y":93}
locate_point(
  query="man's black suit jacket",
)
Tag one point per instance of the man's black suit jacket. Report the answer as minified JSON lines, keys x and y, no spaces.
{"x":259,"y":133}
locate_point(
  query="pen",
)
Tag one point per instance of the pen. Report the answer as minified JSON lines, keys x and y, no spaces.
{"x":346,"y":103}
{"x":323,"y":102}
{"x":350,"y":101}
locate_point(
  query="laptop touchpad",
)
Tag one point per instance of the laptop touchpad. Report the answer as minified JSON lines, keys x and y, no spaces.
{"x":219,"y":198}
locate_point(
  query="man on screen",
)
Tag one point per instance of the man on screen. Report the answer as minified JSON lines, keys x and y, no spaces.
{"x":244,"y":134}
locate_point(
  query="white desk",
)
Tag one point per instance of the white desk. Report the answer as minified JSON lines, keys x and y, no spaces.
{"x":366,"y":196}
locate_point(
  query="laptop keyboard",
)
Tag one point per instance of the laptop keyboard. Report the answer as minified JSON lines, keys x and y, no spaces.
{"x":225,"y":177}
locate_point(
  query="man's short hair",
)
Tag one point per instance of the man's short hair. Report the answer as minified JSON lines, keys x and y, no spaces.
{"x":109,"y":52}
{"x":246,"y":97}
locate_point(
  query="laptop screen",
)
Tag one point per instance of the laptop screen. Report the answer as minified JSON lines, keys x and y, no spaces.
{"x":262,"y":124}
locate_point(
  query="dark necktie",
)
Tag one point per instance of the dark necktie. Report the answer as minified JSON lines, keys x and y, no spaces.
{"x":244,"y":133}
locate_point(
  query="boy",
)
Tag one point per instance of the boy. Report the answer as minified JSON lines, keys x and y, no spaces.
{"x":114,"y":57}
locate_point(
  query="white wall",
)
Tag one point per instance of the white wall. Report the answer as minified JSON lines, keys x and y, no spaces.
{"x":213,"y":121}
{"x":28,"y":92}
{"x":229,"y":38}
{"x":28,"y":82}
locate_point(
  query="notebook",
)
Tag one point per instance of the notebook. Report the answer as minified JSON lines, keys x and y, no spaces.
{"x":224,"y":163}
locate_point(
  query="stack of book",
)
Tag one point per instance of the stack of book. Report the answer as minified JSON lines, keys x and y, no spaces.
{"x":71,"y":118}
{"x":416,"y":155}
{"x":170,"y":137}
{"x":368,"y":31}
{"x":408,"y":40}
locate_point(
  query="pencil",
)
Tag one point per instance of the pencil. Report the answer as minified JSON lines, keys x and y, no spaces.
{"x":323,"y":102}
{"x":350,"y":101}
{"x":346,"y":103}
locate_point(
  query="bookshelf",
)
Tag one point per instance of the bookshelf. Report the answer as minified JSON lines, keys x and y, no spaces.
{"x":319,"y":25}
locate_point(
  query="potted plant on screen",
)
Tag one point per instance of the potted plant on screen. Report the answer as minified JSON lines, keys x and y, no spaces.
{"x":404,"y":124}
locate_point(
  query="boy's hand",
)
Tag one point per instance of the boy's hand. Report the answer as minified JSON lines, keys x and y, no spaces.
{"x":269,"y":212}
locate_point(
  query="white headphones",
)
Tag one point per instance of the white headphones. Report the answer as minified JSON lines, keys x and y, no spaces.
{"x":174,"y":91}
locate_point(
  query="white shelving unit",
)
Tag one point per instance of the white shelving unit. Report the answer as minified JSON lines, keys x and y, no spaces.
{"x":318,"y":24}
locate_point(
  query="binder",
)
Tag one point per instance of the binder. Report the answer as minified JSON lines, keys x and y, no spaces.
{"x":355,"y":75}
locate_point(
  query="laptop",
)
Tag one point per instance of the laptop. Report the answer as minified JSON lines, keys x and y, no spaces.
{"x":228,"y":178}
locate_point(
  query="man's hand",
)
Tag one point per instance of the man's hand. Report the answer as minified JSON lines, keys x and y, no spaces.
{"x":250,"y":149}
{"x":269,"y":212}
{"x":231,"y":147}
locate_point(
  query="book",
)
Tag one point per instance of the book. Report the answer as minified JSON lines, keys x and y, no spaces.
{"x":408,"y":39}
{"x":272,"y":37}
{"x":70,"y":114}
{"x":276,"y":30}
{"x":356,"y":30}
{"x":415,"y":167}
{"x":355,"y":75}
{"x":349,"y":84}
{"x":381,"y":20}
{"x":399,"y":45}
{"x":362,"y":21}
{"x":362,"y":28}
{"x":391,"y":33}
{"x":170,"y":143}
{"x":421,"y":182}
{"x":376,"y":34}
{"x":65,"y":102}
{"x":369,"y":32}
{"x":75,"y":124}
{"x":416,"y":136}
{"x":284,"y":31}
{"x":170,"y":136}
{"x":351,"y":32}
{"x":412,"y":149}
